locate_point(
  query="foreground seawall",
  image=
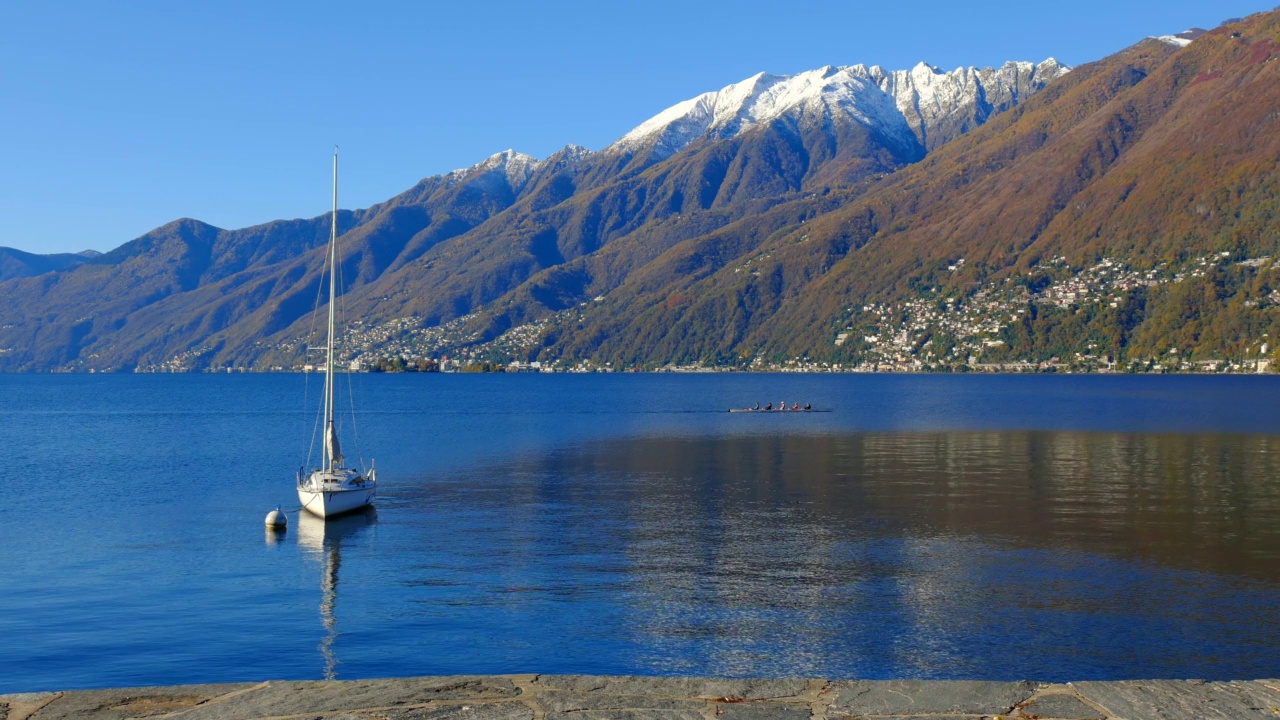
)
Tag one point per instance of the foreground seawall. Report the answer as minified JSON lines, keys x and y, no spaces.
{"x":579,"y":697}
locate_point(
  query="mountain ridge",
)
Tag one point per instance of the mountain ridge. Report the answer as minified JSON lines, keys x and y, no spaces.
{"x":921,"y":96}
{"x":1059,"y":179}
{"x":751,"y":235}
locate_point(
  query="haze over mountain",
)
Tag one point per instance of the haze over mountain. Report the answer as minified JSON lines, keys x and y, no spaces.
{"x":16,"y":263}
{"x":777,"y":218}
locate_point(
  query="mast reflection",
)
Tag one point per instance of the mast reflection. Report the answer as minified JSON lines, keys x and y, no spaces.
{"x":322,"y":539}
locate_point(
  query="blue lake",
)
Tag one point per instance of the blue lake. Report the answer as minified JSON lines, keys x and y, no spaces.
{"x":1040,"y":527}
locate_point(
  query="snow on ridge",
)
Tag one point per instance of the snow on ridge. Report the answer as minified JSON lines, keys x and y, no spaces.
{"x":683,"y":122}
{"x":757,"y":100}
{"x":926,"y":94}
{"x":922,"y":96}
{"x":903,"y":104}
{"x":518,"y":166}
{"x":573,"y":153}
{"x":515,"y":167}
{"x":509,"y":160}
{"x":1186,"y":37}
{"x":566,"y":157}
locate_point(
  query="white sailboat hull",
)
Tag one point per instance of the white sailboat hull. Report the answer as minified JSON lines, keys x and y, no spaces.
{"x":327,"y":502}
{"x":325,"y":493}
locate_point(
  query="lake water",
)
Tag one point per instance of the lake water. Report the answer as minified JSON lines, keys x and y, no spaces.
{"x":1037,"y":527}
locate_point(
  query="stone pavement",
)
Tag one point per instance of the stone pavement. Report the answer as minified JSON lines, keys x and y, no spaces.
{"x":579,"y":697}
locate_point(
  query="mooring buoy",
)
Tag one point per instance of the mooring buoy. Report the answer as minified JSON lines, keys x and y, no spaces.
{"x":277,"y":520}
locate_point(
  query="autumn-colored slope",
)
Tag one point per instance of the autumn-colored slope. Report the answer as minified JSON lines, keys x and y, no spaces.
{"x":1154,"y":154}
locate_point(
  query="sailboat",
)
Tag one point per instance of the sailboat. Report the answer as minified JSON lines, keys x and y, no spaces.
{"x":333,"y":488}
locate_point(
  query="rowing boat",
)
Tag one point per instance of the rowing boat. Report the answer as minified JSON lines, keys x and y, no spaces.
{"x":776,"y":410}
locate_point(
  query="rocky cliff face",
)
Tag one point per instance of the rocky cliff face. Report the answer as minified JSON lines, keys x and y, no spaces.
{"x":939,"y":106}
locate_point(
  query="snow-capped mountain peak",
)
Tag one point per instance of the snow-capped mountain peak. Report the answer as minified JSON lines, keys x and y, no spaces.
{"x":910,"y":111}
{"x":574,"y":153}
{"x":741,"y":106}
{"x":922,"y":98}
{"x":515,"y":167}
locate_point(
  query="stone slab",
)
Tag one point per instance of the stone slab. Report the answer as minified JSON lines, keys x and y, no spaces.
{"x":320,"y":697}
{"x":508,"y":710}
{"x":581,"y":697}
{"x":761,"y":711}
{"x":925,"y":697}
{"x":21,"y":706}
{"x":559,"y":701}
{"x":704,"y":688}
{"x":630,"y":714}
{"x":1058,"y":706}
{"x":929,"y":716}
{"x":1183,"y":699}
{"x":140,"y":702}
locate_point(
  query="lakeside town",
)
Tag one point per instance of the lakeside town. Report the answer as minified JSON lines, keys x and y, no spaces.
{"x":937,"y":331}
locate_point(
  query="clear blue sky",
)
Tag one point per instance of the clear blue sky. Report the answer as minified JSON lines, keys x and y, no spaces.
{"x":119,"y":117}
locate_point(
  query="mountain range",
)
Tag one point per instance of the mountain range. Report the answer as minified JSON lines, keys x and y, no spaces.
{"x":780,"y":219}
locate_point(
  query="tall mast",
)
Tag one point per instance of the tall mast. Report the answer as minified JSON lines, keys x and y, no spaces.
{"x":329,"y":431}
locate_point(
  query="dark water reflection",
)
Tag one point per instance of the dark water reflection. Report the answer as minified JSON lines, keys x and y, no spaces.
{"x":1003,"y":554}
{"x":1201,"y":502}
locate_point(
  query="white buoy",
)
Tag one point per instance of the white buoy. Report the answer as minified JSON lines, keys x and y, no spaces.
{"x":277,"y":520}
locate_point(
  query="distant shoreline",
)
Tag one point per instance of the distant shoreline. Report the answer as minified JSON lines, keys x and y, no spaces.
{"x":673,"y":371}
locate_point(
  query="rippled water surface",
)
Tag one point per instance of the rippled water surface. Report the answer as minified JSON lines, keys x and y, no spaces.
{"x":949,"y":527}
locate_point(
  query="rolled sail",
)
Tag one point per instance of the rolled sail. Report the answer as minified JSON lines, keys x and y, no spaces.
{"x":331,"y":445}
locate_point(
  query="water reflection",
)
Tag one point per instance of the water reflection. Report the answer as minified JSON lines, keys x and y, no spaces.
{"x":1202,"y":502}
{"x":322,"y":540}
{"x":1002,"y":554}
